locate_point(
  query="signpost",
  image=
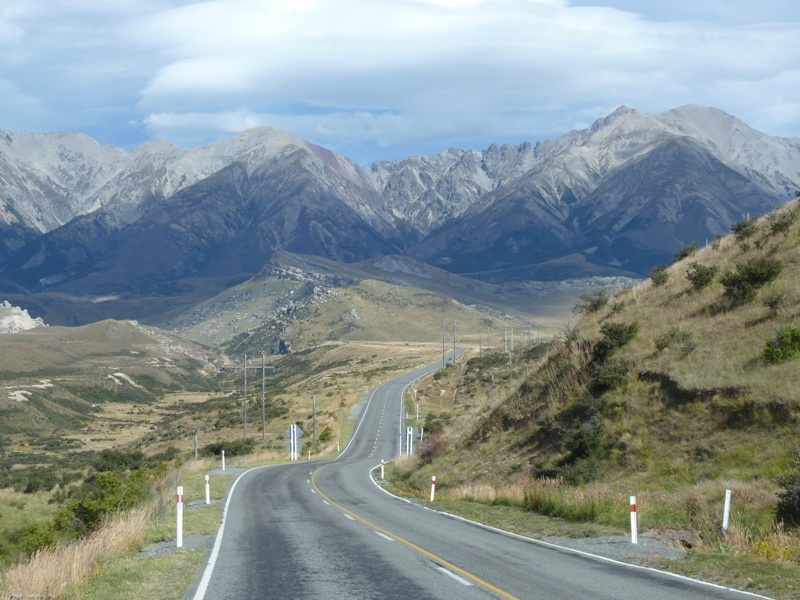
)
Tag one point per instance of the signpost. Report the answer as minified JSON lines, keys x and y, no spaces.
{"x":294,"y":433}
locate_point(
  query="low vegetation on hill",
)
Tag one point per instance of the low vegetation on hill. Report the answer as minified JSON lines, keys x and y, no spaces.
{"x":97,"y":450}
{"x":674,"y":391}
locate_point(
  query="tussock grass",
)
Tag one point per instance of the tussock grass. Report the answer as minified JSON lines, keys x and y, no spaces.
{"x":50,"y":572}
{"x":685,"y":409}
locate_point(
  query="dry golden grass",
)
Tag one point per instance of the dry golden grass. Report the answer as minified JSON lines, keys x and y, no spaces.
{"x":51,"y":572}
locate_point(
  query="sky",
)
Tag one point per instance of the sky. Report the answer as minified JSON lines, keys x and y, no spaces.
{"x":385,"y":79}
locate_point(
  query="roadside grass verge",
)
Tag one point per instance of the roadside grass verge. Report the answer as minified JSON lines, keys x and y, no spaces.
{"x":753,"y":554}
{"x":107,"y":564}
{"x":53,"y":572}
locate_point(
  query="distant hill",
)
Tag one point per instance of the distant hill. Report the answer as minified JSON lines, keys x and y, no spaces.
{"x":59,"y":381}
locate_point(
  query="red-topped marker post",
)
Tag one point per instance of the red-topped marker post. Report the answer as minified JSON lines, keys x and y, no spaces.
{"x":180,"y":517}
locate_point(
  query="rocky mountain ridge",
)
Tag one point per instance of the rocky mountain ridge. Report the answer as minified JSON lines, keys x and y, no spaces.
{"x":613,"y":199}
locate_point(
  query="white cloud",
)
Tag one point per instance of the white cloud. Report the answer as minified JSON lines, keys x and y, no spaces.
{"x":394,"y":73}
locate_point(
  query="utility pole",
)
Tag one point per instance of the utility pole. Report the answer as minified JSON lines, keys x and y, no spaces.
{"x":443,"y":343}
{"x":454,"y":342}
{"x":244,"y":405}
{"x":263,"y":368}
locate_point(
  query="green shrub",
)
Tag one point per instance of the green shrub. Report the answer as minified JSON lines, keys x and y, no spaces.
{"x":35,"y":536}
{"x":785,"y":344}
{"x":326,"y":435}
{"x":788,"y":508}
{"x":742,"y":285}
{"x":615,"y":335}
{"x":781,"y":223}
{"x":700,"y":275}
{"x":744,"y":229}
{"x":776,"y":301}
{"x":118,"y":461}
{"x":590,"y":302}
{"x":610,"y":375}
{"x":685,"y":252}
{"x":240,"y":447}
{"x":586,"y":446}
{"x":659,"y":275}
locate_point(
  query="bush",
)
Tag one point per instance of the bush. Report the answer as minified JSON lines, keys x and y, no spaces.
{"x":785,"y":344}
{"x":586,"y":446}
{"x":615,"y":335}
{"x":238,"y":447}
{"x":685,"y":252}
{"x":118,"y":461}
{"x":742,"y":285}
{"x":788,"y":509}
{"x":659,"y":275}
{"x":326,"y":435}
{"x":610,"y":375}
{"x":700,"y":275}
{"x":781,"y":223}
{"x":590,"y":302}
{"x":432,"y":446}
{"x":744,"y":229}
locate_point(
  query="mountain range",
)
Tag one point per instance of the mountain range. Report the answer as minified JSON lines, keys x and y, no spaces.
{"x":617,"y":198}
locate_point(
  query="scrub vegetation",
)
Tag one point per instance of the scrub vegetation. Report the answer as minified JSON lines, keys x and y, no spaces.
{"x":674,"y":391}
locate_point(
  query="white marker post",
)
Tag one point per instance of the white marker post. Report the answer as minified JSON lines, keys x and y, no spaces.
{"x":726,"y":515}
{"x":634,"y":533}
{"x":433,"y":487}
{"x":223,"y":460}
{"x":382,"y":468}
{"x":208,"y":491}
{"x":180,"y":517}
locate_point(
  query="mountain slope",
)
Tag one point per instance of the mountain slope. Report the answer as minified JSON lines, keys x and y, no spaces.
{"x":674,"y":391}
{"x":584,"y":189}
{"x":613,"y":199}
{"x":228,"y":223}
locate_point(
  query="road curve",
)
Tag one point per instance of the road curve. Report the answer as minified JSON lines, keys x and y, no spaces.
{"x":325,"y":530}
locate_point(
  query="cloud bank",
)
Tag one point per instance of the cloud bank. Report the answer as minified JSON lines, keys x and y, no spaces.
{"x":378,"y":79}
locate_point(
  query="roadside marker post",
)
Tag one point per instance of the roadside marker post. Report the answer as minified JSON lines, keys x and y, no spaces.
{"x":223,"y":460}
{"x":433,"y":487}
{"x":208,"y":491}
{"x":634,"y":533}
{"x":726,"y":515}
{"x":180,"y":517}
{"x":382,"y":469}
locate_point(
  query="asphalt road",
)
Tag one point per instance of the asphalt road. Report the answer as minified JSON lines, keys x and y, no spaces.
{"x":325,"y":530}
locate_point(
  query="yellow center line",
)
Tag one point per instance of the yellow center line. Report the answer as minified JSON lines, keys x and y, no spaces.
{"x":411,"y":545}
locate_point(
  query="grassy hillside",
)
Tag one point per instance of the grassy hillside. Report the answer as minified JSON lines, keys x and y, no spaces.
{"x":69,"y":389}
{"x":368,"y":310}
{"x":674,"y":391}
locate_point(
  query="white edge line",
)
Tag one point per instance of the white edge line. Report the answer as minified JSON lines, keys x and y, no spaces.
{"x":564,"y":548}
{"x":459,"y":579}
{"x":360,"y":421}
{"x":202,"y":587}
